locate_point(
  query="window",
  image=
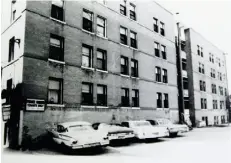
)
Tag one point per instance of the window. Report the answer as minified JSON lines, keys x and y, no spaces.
{"x":162,"y":32}
{"x":123,"y":35}
{"x":198,"y":50}
{"x":125,"y":97}
{"x":13,"y":9}
{"x":133,"y":39}
{"x":216,"y":120}
{"x":159,"y":100}
{"x":57,"y":10}
{"x":202,"y":52}
{"x":101,"y":95}
{"x":214,"y":104}
{"x":155,"y":25}
{"x":87,"y":56}
{"x":134,"y":68}
{"x":202,"y":86}
{"x":219,"y":76}
{"x":101,"y":60}
{"x":222,"y":119}
{"x":87,"y":20}
{"x":56,"y":48}
{"x":166,"y":100}
{"x":157,"y":51}
{"x":132,"y":12}
{"x":135,"y":98}
{"x":158,"y":74}
{"x":124,"y":65}
{"x":222,"y":104}
{"x":226,"y":93}
{"x":163,"y":51}
{"x":219,"y":62}
{"x":101,"y":26}
{"x":186,"y":103}
{"x":165,"y":76}
{"x":9,"y":85}
{"x":87,"y":93}
{"x":123,"y":8}
{"x":55,"y":91}
{"x":221,"y":90}
{"x":212,"y":73}
{"x":185,"y":83}
{"x":201,"y":68}
{"x":203,"y":103}
{"x":214,"y":89}
{"x":11,"y":49}
{"x":184,"y":64}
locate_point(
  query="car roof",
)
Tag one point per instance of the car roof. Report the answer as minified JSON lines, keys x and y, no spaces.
{"x":67,"y":124}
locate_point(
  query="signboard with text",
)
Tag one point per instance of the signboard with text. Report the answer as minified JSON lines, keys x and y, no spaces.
{"x":35,"y":105}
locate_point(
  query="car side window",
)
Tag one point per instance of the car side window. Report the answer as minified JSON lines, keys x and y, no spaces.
{"x":60,"y":128}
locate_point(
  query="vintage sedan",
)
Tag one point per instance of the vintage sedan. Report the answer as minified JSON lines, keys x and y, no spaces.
{"x":173,"y":129}
{"x":144,"y":130}
{"x":114,"y":131}
{"x":77,"y":135}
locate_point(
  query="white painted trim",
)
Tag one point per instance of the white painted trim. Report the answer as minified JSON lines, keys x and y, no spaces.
{"x":91,"y":33}
{"x":88,"y":68}
{"x":125,"y":107}
{"x":133,"y":48}
{"x":102,"y":71}
{"x":127,"y":76}
{"x":104,"y":107}
{"x":135,"y":77}
{"x":59,"y":21}
{"x":56,"y":105}
{"x":60,"y":62}
{"x":87,"y":106}
{"x":137,"y":108}
{"x":124,"y":45}
{"x":105,"y":38}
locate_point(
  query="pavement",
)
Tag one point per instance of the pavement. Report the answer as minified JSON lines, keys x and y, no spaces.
{"x":205,"y":145}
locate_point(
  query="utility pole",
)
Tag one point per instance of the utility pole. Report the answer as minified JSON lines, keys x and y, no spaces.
{"x":179,"y":75}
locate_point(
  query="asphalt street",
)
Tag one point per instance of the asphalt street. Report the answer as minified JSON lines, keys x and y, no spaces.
{"x":205,"y":145}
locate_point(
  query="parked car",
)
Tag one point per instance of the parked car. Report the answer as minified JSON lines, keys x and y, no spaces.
{"x":173,"y":129}
{"x":77,"y":135}
{"x":144,"y":130}
{"x":114,"y":131}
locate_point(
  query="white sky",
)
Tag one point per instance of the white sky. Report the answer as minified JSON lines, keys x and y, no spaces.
{"x":212,"y":19}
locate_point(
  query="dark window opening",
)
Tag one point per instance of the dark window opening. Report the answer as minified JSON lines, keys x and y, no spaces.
{"x":133,"y":39}
{"x":57,"y":10}
{"x":124,"y":65}
{"x":55,"y":91}
{"x":158,"y":74}
{"x":87,"y":94}
{"x":87,"y":56}
{"x":101,"y":60}
{"x":165,"y":76}
{"x":132,"y":12}
{"x":123,"y":35}
{"x":101,"y":95}
{"x":163,"y":51}
{"x":56,"y":48}
{"x":157,"y":50}
{"x":134,"y":68}
{"x":166,"y":100}
{"x":125,"y":97}
{"x":162,"y":31}
{"x":159,"y":100}
{"x":87,"y":20}
{"x":11,"y":49}
{"x":135,"y":98}
{"x":155,"y":25}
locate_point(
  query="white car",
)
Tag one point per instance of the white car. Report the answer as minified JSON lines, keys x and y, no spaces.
{"x":173,"y":129}
{"x":144,"y":130}
{"x":77,"y":135}
{"x":115,"y":132}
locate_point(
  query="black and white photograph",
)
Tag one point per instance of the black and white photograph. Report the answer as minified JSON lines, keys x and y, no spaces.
{"x":115,"y":81}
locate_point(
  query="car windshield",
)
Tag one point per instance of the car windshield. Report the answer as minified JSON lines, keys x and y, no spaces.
{"x":164,"y":121}
{"x":141,"y":124}
{"x":79,"y":128}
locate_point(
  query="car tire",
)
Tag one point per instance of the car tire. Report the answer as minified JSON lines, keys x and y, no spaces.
{"x":65,"y":149}
{"x":173,"y":134}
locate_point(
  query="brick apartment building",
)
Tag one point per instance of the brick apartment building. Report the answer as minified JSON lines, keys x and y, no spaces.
{"x":94,"y":60}
{"x":204,"y":79}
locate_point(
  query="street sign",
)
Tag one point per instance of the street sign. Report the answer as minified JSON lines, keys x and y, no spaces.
{"x":35,"y":105}
{"x":5,"y":112}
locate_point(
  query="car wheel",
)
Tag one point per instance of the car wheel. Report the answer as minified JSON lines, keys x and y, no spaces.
{"x":65,"y":149}
{"x":173,"y":134}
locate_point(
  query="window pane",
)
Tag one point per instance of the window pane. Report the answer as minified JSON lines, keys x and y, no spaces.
{"x":54,"y":84}
{"x":122,"y":30}
{"x":55,"y":42}
{"x":53,"y":96}
{"x":156,"y":45}
{"x":100,"y":21}
{"x":163,"y":48}
{"x":100,"y":31}
{"x":85,"y":88}
{"x":58,"y":3}
{"x":132,"y":64}
{"x":100,"y":90}
{"x":122,"y":61}
{"x":85,"y":61}
{"x":132,"y":7}
{"x":132,"y":35}
{"x":85,"y":51}
{"x":87,"y":15}
{"x":100,"y":54}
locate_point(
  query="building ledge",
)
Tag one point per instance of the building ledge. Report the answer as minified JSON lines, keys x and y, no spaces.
{"x":137,"y":78}
{"x":124,"y":45}
{"x":127,"y":76}
{"x":56,"y":105}
{"x":59,"y":21}
{"x":103,"y":71}
{"x":91,"y":33}
{"x":87,"y":106}
{"x":87,"y":68}
{"x":56,"y":61}
{"x":105,"y":38}
{"x":103,"y":107}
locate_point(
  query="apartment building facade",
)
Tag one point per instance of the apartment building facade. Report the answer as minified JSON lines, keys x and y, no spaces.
{"x":205,"y":80}
{"x":95,"y":60}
